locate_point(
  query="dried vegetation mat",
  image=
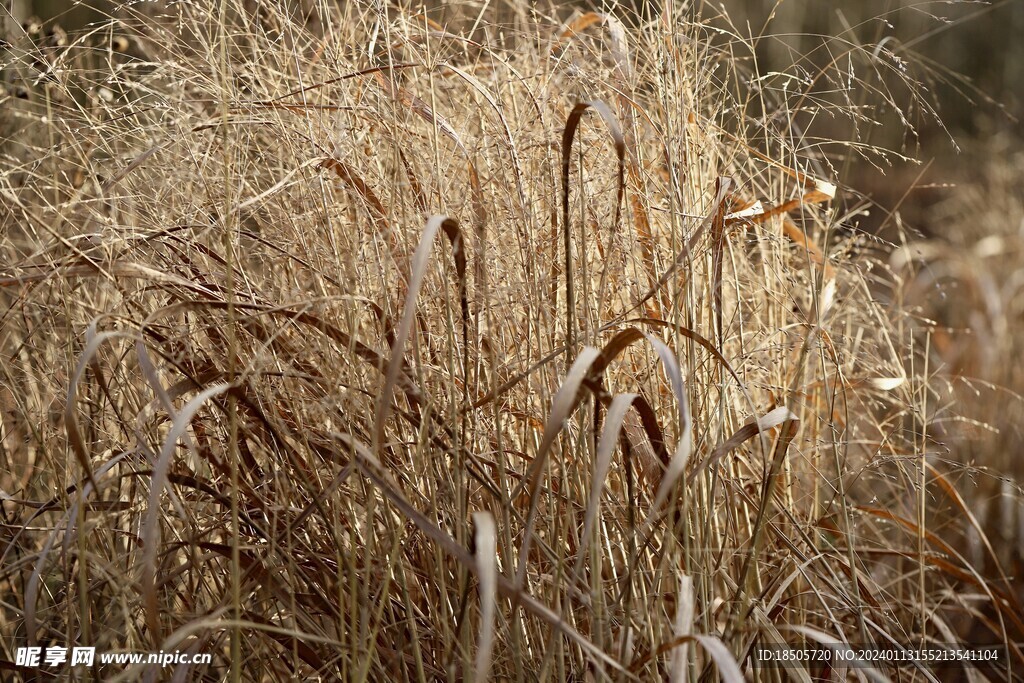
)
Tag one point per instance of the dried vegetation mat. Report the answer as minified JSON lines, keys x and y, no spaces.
{"x":359,"y":346}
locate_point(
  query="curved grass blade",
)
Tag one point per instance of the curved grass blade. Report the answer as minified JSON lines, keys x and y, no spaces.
{"x":762,"y":424}
{"x":151,"y":528}
{"x":568,"y":135}
{"x":486,"y":539}
{"x":420,"y":260}
{"x":681,"y":456}
{"x":93,"y":342}
{"x":602,"y":463}
{"x":648,"y":417}
{"x":565,"y":401}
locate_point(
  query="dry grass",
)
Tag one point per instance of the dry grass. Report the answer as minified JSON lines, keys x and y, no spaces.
{"x":963,"y":285}
{"x":348,"y":346}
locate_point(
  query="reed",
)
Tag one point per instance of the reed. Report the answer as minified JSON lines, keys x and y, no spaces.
{"x":353,"y":345}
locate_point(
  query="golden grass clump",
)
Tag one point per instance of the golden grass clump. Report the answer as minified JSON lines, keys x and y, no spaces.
{"x":358,"y":346}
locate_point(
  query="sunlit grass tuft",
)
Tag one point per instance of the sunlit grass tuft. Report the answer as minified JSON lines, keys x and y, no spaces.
{"x":352,"y":346}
